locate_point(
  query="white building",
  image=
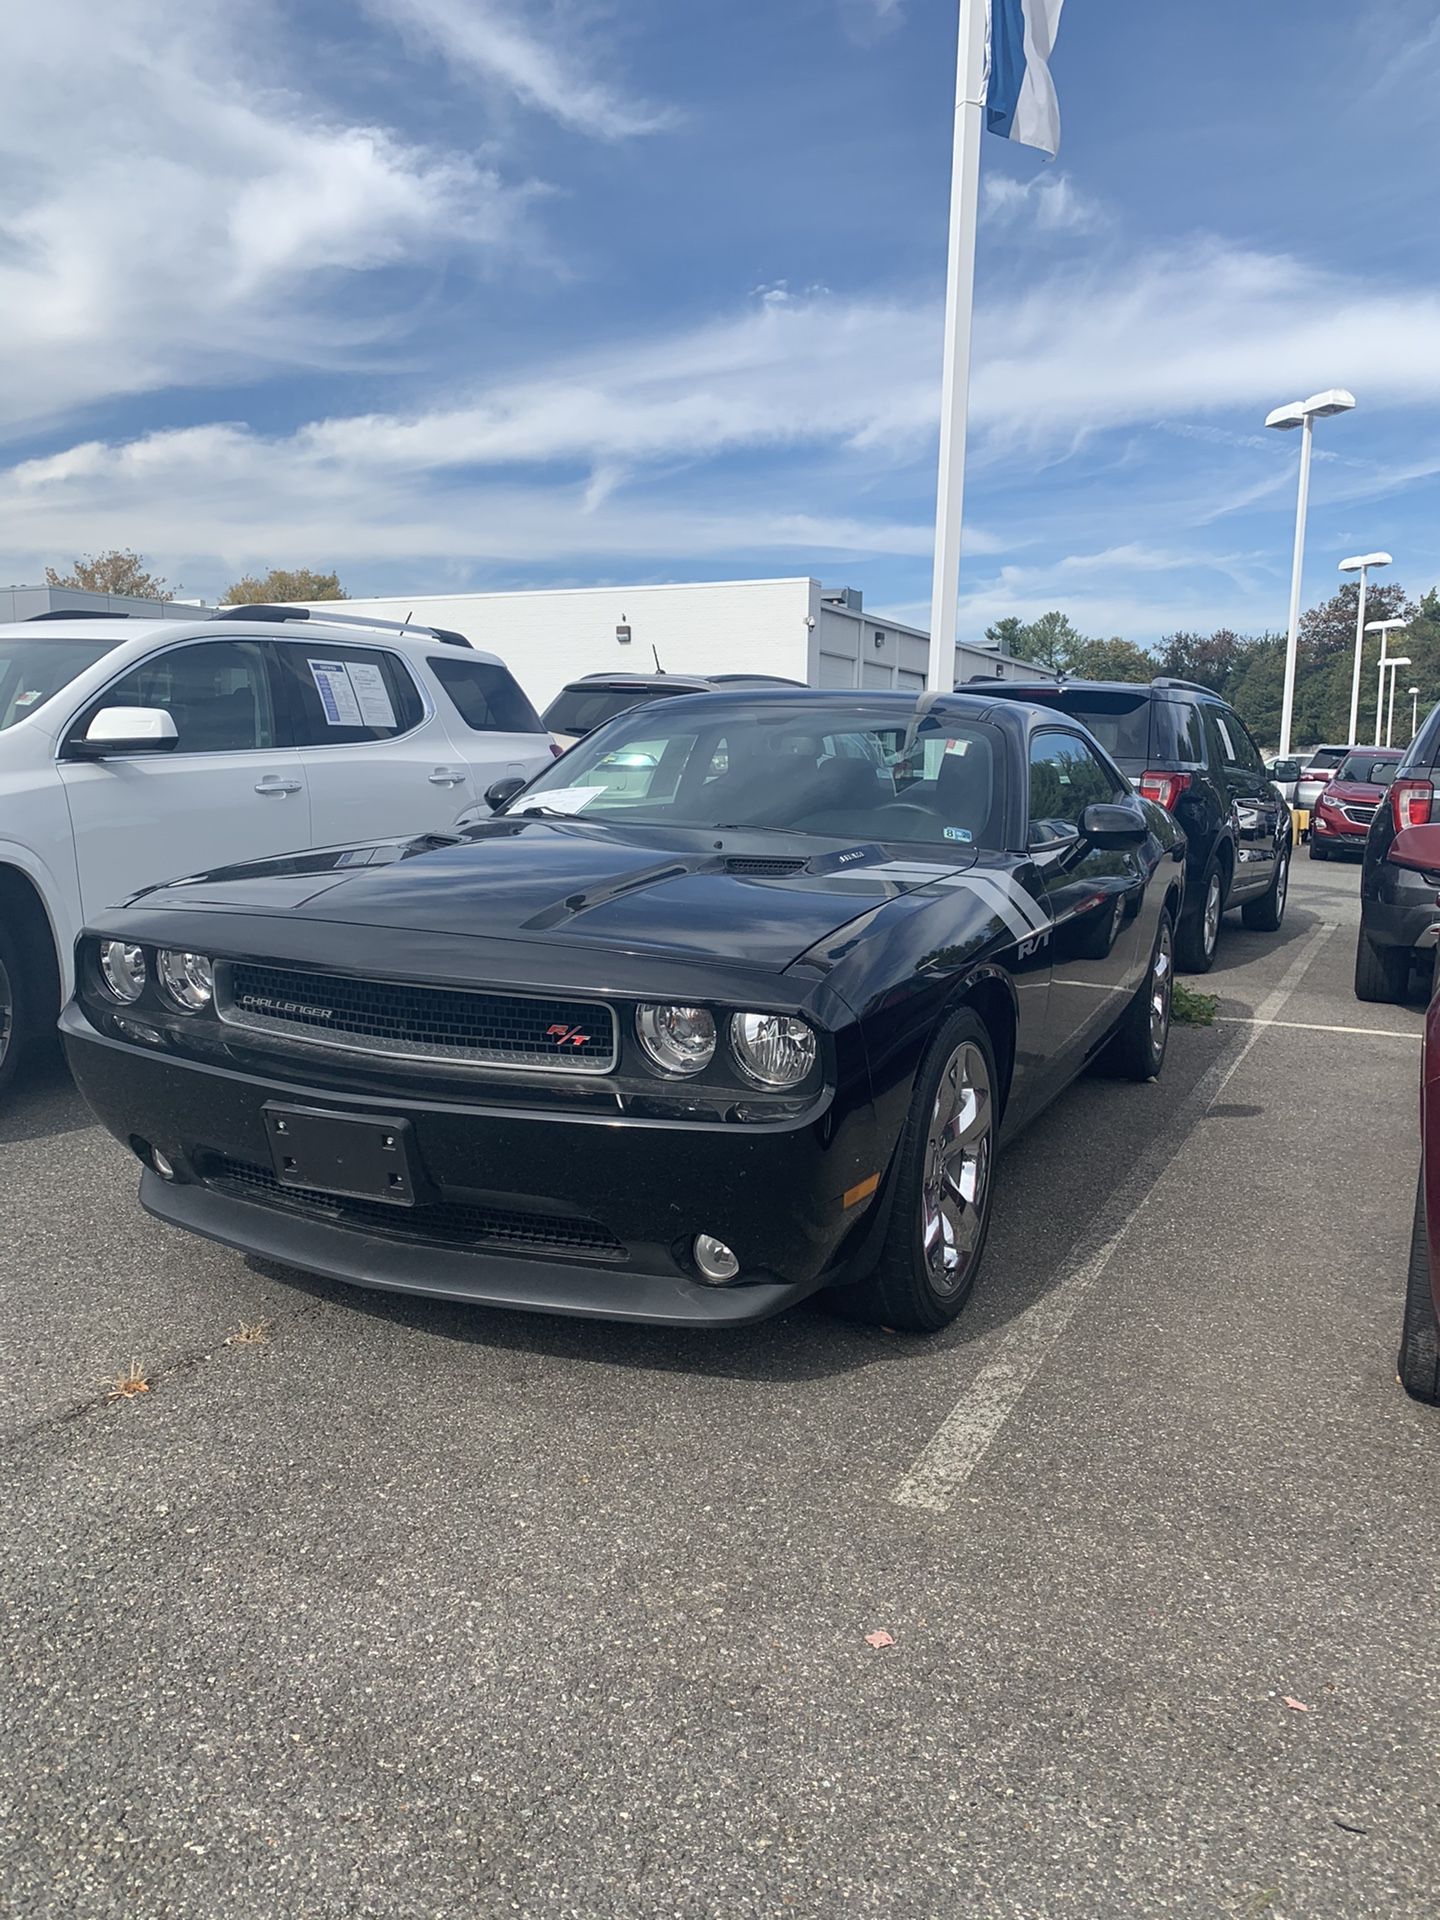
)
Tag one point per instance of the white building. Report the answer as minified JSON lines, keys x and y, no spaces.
{"x":795,"y":628}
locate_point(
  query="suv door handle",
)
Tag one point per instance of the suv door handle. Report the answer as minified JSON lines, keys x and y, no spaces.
{"x":271,"y":785}
{"x":447,"y":776}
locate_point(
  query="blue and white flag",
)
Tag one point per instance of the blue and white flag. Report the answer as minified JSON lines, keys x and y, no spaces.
{"x":1020,"y":101}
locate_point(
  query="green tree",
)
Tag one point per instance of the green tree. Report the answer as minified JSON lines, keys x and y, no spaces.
{"x":281,"y":586}
{"x":1051,"y":641}
{"x":117,"y":571}
{"x":1007,"y":634}
{"x":1110,"y":660}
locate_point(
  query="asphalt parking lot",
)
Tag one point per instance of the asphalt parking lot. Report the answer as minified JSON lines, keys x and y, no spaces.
{"x":404,"y":1609}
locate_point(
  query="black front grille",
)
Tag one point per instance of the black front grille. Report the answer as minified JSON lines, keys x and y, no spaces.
{"x":438,"y":1025}
{"x":446,"y":1223}
{"x":757,"y":864}
{"x":1362,"y":816}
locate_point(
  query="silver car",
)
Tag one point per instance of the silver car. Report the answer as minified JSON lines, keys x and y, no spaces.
{"x":1317,"y":772}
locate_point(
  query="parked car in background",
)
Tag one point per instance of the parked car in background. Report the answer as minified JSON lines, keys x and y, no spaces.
{"x":1319,"y":767}
{"x":1183,"y":747}
{"x":1286,"y":776}
{"x":1397,"y":898}
{"x":135,"y":750}
{"x":1346,"y":804}
{"x":1419,"y":1361}
{"x":585,"y":704}
{"x":686,"y":1050}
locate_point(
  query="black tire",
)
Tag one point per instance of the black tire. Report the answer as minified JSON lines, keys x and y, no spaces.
{"x":1138,"y":1050}
{"x":1265,"y":914}
{"x":1317,"y":852}
{"x":1419,"y":1362}
{"x":1381,"y":973}
{"x":905,"y":1289}
{"x":16,"y":1018}
{"x":1198,"y":934}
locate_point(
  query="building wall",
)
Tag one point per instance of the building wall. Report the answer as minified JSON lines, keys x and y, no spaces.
{"x":794,"y":628}
{"x":23,"y":603}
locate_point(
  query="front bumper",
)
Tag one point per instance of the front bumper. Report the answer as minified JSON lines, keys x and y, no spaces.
{"x":775,"y":1193}
{"x":1348,"y":834}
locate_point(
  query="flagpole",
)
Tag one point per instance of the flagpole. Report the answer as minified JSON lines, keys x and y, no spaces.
{"x":959,"y":308}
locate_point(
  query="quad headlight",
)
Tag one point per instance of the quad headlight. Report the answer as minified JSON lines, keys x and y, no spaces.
{"x":680,"y":1040}
{"x":775,"y":1049}
{"x":122,"y":967}
{"x":186,"y":979}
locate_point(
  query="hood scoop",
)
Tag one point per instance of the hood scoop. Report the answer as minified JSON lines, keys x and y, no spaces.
{"x":774,"y":867}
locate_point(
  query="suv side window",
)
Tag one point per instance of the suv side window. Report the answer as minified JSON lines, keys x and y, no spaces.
{"x":218,"y":693}
{"x":343,"y":695}
{"x":485,"y":696}
{"x":1187,"y":735}
{"x":1065,"y":777}
{"x":1247,"y":754}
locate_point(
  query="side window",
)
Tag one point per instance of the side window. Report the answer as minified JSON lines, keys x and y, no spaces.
{"x":1065,"y":777}
{"x":218,"y":693}
{"x":1251,"y":757}
{"x":344,"y":695}
{"x":484,"y":695}
{"x":1187,"y":741}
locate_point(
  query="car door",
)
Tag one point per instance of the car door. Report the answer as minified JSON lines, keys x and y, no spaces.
{"x":379,"y":760}
{"x":495,"y":729}
{"x":1255,"y":807}
{"x":1094,"y":894}
{"x":232,"y":789}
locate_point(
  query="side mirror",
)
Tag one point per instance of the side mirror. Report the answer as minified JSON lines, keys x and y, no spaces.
{"x":1417,"y":847}
{"x":502,"y":791}
{"x":1109,"y":825}
{"x":127,"y":730}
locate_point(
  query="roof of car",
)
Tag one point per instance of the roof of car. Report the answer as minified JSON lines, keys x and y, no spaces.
{"x":1019,"y":689}
{"x":138,"y":635}
{"x":699,"y":681}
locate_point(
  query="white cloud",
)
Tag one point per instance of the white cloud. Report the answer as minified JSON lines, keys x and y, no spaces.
{"x":867,"y":21}
{"x":488,"y":41}
{"x":1048,"y":202}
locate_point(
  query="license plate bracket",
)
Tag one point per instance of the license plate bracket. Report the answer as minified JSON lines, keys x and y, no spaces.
{"x":352,"y":1155}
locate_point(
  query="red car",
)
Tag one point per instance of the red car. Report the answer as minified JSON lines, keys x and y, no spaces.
{"x":1419,"y":1363}
{"x":1346,"y":806}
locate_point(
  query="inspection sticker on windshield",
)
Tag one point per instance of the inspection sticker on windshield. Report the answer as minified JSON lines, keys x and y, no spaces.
{"x":565,"y":799}
{"x":337,"y":696}
{"x":963,"y":834}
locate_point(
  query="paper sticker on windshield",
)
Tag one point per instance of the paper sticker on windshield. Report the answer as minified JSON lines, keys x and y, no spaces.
{"x":962,"y":834}
{"x":337,"y":696}
{"x":371,"y":692}
{"x":27,"y":699}
{"x":563,"y":799}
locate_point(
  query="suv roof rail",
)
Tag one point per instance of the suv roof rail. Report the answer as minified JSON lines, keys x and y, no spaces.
{"x":1188,"y":686}
{"x":265,"y":612}
{"x":81,"y":613}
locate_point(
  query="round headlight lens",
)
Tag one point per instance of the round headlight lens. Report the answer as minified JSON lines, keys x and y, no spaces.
{"x":123,"y":969}
{"x":187,"y":978}
{"x":677,"y":1039}
{"x":774,"y":1048}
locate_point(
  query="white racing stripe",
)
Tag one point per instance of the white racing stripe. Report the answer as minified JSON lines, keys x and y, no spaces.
{"x":937,"y":1474}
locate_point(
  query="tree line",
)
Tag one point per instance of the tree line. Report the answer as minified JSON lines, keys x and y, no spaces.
{"x":1248,"y":670}
{"x":121,"y":571}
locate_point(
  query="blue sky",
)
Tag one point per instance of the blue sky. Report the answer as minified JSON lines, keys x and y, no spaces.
{"x":452,"y":293}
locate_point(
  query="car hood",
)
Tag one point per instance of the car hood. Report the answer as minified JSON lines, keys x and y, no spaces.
{"x":751,"y":899}
{"x":1352,"y":793}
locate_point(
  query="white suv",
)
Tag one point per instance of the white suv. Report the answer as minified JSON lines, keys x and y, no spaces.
{"x":133,"y":752}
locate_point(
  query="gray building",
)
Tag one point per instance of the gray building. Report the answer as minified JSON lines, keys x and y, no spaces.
{"x":23,"y":603}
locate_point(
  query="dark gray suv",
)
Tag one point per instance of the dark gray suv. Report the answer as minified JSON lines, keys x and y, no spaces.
{"x":1398,"y":904}
{"x":1180,"y":745}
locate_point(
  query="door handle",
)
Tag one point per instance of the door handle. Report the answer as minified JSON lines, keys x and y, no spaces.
{"x":447,"y":776}
{"x":277,"y":786}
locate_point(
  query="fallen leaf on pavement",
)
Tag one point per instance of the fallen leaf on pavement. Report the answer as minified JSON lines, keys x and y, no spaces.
{"x":879,"y":1638}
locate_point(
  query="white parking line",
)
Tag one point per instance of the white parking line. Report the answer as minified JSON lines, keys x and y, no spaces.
{"x":1312,"y":1026}
{"x":937,"y":1474}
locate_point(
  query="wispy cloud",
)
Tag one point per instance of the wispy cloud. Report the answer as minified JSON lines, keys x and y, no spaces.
{"x":867,"y":21}
{"x":1048,"y":203}
{"x":550,"y":73}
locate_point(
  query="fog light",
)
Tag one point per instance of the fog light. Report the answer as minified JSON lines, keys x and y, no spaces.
{"x":715,"y":1260}
{"x":161,"y":1165}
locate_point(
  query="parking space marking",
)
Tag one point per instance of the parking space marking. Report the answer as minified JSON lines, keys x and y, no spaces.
{"x":1313,"y":1026}
{"x":939,"y":1471}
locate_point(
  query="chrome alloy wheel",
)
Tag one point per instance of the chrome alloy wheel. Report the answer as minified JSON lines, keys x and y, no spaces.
{"x":955,"y":1182}
{"x":1162,"y":986}
{"x":1212,"y":913}
{"x":7,"y":1013}
{"x":1282,"y":888}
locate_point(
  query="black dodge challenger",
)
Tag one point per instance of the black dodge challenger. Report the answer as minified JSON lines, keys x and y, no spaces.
{"x":734,"y":1002}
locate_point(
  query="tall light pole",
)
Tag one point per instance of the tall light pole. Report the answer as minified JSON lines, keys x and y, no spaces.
{"x":1414,"y":711}
{"x":1302,"y":414}
{"x":1384,"y":628}
{"x":1360,"y":564}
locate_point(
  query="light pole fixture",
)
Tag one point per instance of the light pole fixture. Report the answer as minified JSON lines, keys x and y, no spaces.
{"x":1414,"y":711}
{"x":1360,"y":564}
{"x":1384,"y":628}
{"x":1302,"y":414}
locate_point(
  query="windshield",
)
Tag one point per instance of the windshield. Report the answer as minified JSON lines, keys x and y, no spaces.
{"x":1373,"y":771}
{"x":34,"y":670}
{"x":579,"y":710}
{"x":844,"y":770}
